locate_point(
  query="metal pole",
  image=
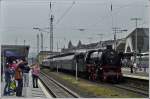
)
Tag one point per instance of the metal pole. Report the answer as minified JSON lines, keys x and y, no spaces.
{"x":135,"y":19}
{"x":57,"y":68}
{"x":41,"y":41}
{"x":57,"y":51}
{"x":51,"y":33}
{"x":115,"y":31}
{"x":57,"y":46}
{"x":76,"y":70}
{"x":136,"y":44}
{"x":115,"y":45}
{"x":51,"y":29}
{"x":24,"y":42}
{"x":37,"y":43}
{"x":24,"y":49}
{"x":3,"y":67}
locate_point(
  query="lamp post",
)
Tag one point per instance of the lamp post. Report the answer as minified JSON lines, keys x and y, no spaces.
{"x":115,"y":29}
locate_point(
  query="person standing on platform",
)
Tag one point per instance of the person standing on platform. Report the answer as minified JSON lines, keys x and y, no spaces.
{"x":25,"y":70}
{"x":135,"y":67}
{"x":19,"y":79}
{"x":8,"y":73}
{"x":35,"y":75}
{"x":130,"y":65}
{"x":13,"y":67}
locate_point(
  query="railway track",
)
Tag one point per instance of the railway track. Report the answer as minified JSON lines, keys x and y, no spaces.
{"x":135,"y":85}
{"x":133,"y":89}
{"x":56,"y":89}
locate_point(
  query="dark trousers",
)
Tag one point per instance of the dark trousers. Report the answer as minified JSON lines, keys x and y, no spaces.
{"x":6,"y":89}
{"x":19,"y":87}
{"x":131,"y":69}
{"x":35,"y":81}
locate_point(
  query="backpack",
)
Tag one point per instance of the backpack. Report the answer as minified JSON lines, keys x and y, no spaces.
{"x":12,"y":85}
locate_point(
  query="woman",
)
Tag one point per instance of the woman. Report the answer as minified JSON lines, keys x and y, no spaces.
{"x":7,"y":79}
{"x":13,"y":66}
{"x":35,"y":75}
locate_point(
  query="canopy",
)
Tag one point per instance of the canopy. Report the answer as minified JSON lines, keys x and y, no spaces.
{"x":12,"y":54}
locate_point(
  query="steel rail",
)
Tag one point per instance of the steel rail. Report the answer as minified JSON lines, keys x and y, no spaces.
{"x":57,"y":89}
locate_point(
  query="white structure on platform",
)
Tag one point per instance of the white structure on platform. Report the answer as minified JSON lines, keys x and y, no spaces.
{"x":142,"y":40}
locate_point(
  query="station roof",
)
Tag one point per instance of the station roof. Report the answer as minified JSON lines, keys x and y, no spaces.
{"x":141,"y":32}
{"x":15,"y":50}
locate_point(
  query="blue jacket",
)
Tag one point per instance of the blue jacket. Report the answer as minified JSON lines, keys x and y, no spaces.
{"x":8,"y":74}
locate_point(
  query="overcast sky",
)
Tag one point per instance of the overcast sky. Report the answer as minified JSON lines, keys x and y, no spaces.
{"x":18,"y":17}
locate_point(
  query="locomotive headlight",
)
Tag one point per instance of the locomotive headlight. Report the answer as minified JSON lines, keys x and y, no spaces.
{"x":100,"y":68}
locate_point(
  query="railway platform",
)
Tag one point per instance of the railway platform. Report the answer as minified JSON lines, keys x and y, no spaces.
{"x":29,"y":92}
{"x":140,"y":74}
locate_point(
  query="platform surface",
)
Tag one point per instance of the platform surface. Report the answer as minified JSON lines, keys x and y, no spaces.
{"x":29,"y":92}
{"x":141,"y":74}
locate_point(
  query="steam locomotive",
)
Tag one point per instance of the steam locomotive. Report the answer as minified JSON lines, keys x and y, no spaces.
{"x":104,"y":65}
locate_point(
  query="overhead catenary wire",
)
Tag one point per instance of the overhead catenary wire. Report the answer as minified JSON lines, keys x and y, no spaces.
{"x":115,"y":12}
{"x":63,"y":15}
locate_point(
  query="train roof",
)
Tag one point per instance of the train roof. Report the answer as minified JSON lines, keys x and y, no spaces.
{"x":61,"y":55}
{"x":68,"y":57}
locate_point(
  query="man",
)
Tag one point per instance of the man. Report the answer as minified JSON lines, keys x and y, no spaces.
{"x":25,"y":69}
{"x":135,"y":67}
{"x":25,"y":73}
{"x":19,"y":78}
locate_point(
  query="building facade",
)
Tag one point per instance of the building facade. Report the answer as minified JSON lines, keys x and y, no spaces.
{"x":126,"y":44}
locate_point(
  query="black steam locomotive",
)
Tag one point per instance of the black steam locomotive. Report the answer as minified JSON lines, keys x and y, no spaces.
{"x":104,"y":65}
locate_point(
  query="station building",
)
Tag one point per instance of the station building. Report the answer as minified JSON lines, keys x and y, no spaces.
{"x":142,"y":40}
{"x":126,"y":44}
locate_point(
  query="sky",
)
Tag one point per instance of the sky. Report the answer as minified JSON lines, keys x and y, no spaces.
{"x":18,"y":17}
